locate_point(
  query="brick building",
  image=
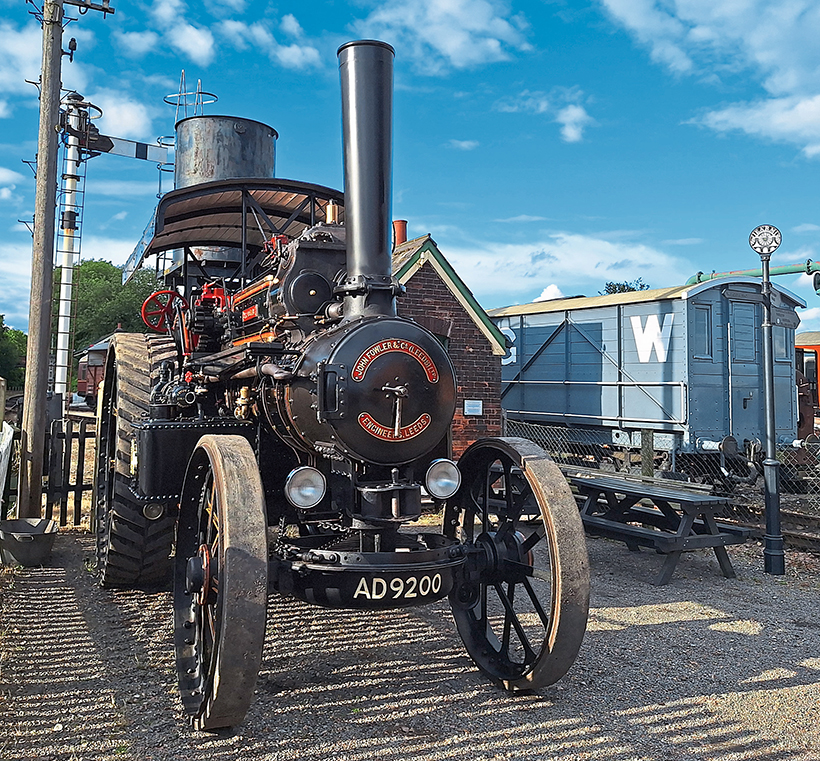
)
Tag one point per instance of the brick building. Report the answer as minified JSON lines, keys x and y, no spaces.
{"x":439,"y":300}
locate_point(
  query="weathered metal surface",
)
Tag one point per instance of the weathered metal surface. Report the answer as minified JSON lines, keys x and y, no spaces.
{"x":211,"y":148}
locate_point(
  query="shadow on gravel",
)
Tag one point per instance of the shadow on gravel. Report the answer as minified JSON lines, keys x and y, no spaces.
{"x":705,"y":668}
{"x":60,"y":702}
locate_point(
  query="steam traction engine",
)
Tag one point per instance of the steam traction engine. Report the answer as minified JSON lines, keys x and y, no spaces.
{"x":281,"y":430}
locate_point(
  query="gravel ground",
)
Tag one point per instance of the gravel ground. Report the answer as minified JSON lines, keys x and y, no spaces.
{"x":704,"y":668}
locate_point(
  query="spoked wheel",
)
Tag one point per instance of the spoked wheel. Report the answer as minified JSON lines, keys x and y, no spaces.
{"x":220,"y":582}
{"x":158,"y":310}
{"x":521,"y":608}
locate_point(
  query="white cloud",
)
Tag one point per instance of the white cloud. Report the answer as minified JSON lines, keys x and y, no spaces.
{"x":242,"y":35}
{"x":552,"y":291}
{"x":522,"y":218}
{"x":291,"y":26}
{"x":137,"y":44}
{"x":573,"y":119}
{"x":166,"y":12}
{"x":499,"y":273}
{"x":809,"y":319}
{"x":682,"y":242}
{"x":773,"y":39}
{"x":122,"y":188}
{"x":5,"y":110}
{"x":196,"y":42}
{"x":806,"y":227}
{"x":526,"y":101}
{"x":464,"y":145}
{"x":8,"y":182}
{"x":258,"y":36}
{"x":15,"y":269}
{"x":564,"y":104}
{"x":656,"y":27}
{"x":792,"y":119}
{"x":122,"y":116}
{"x":10,"y":177}
{"x":444,"y":33}
{"x":297,"y":56}
{"x":114,"y":250}
{"x":21,"y":58}
{"x":232,"y":5}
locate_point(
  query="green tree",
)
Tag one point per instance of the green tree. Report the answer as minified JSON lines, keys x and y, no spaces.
{"x":103,"y":302}
{"x":624,"y":287}
{"x":12,"y":354}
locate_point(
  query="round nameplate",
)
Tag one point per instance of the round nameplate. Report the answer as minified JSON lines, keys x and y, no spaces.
{"x":765,"y":239}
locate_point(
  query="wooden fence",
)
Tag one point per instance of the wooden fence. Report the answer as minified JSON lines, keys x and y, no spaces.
{"x":68,"y":472}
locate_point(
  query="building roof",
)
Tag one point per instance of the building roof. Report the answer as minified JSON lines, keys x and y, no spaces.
{"x":411,"y":256}
{"x":633,"y":297}
{"x":101,"y":346}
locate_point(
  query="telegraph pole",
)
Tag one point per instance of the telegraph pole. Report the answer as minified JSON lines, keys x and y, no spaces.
{"x":30,"y":498}
{"x":42,"y":267}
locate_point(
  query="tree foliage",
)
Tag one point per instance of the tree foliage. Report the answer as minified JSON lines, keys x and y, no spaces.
{"x":103,"y":302}
{"x":624,"y":287}
{"x":12,"y":354}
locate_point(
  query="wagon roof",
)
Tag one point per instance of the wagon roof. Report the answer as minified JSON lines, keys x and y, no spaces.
{"x":808,"y":338}
{"x":634,"y":297}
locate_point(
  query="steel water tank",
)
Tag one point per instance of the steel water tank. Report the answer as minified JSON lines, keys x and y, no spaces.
{"x":210,"y":148}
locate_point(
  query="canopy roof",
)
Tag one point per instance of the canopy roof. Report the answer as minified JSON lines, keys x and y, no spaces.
{"x":233,"y":213}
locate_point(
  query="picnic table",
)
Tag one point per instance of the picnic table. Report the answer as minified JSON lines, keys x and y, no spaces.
{"x":672,"y":520}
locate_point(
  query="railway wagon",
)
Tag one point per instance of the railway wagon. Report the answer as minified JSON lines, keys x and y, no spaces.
{"x":684,"y":362}
{"x":90,"y":371}
{"x":807,"y":350}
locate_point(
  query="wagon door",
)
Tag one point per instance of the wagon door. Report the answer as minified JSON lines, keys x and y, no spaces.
{"x":745,"y":371}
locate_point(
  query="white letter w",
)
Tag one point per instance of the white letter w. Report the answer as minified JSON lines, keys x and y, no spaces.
{"x":652,"y":335}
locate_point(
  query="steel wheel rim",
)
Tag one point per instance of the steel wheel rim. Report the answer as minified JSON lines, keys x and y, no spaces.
{"x":220,"y":582}
{"x":521,"y":612}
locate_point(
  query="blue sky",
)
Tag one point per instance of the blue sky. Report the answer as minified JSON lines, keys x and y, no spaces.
{"x":548,"y":146}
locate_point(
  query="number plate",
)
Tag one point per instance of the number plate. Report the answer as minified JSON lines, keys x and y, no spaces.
{"x":400,"y":589}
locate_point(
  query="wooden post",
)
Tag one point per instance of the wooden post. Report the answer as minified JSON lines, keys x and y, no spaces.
{"x":42,"y":267}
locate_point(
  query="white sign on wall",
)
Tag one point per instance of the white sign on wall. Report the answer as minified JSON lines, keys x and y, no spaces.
{"x":473,"y":407}
{"x":652,"y":335}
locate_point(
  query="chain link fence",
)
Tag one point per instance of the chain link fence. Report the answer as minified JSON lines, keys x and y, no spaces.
{"x":740,"y":478}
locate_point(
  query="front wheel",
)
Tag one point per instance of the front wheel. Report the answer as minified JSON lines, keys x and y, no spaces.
{"x":220,"y":582}
{"x":522,"y":605}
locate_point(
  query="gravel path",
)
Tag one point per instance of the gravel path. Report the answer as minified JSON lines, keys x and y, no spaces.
{"x":704,"y":668}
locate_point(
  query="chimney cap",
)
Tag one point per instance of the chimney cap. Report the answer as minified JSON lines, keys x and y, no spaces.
{"x":399,"y":232}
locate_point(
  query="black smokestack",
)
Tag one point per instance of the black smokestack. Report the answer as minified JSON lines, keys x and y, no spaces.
{"x":366,"y":68}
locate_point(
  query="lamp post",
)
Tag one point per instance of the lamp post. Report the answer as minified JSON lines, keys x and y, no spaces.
{"x":764,"y":240}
